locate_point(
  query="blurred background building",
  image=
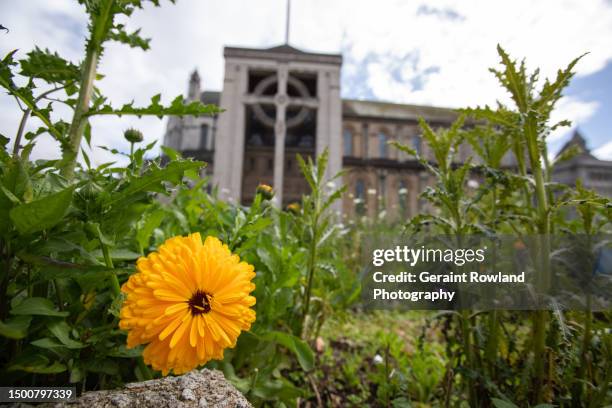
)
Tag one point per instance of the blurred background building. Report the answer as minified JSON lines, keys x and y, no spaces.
{"x":281,"y":101}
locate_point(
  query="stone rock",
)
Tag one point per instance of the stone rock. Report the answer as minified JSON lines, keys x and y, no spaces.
{"x":205,"y":388}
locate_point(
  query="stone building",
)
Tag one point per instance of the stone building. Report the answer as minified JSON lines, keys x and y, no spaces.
{"x":280,"y":102}
{"x":595,"y":174}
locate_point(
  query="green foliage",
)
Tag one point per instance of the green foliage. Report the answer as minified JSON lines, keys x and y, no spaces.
{"x":70,"y":235}
{"x":41,"y":214}
{"x":176,"y":108}
{"x":49,"y":67}
{"x":542,"y":365}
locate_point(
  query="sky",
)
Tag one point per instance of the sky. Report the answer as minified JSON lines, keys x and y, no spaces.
{"x":434,"y":52}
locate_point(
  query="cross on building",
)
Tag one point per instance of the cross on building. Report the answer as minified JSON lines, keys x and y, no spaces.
{"x":283,"y":102}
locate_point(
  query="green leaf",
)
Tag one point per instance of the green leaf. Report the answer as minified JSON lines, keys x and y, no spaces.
{"x":48,"y":343}
{"x":37,"y":306}
{"x":176,"y":108}
{"x":152,"y":220}
{"x":35,"y":363}
{"x":502,"y":404}
{"x":15,"y":328}
{"x":24,"y":93}
{"x":42,"y":214}
{"x":134,"y":40}
{"x":122,"y":351}
{"x":55,"y":269}
{"x":115,"y":307}
{"x":49,"y":67}
{"x":301,"y":350}
{"x":17,"y":180}
{"x":61,"y":330}
{"x":173,"y":173}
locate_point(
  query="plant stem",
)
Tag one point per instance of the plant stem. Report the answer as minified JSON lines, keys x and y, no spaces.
{"x":311,"y":266}
{"x":492,"y":341}
{"x":144,"y":369}
{"x":79,"y":118}
{"x":26,"y":115}
{"x":541,"y":316}
{"x":109,"y":263}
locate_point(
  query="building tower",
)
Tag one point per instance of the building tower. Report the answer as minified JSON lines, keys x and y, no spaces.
{"x":277,"y":103}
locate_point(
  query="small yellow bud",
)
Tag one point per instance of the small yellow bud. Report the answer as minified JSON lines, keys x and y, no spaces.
{"x":294,"y":208}
{"x":266,"y":191}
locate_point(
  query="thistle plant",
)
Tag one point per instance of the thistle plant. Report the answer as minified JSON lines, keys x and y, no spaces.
{"x":317,"y":224}
{"x":522,"y":201}
{"x":69,"y":232}
{"x":528,"y":126}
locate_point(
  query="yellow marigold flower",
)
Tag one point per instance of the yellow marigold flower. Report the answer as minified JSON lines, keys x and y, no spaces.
{"x":188,"y":301}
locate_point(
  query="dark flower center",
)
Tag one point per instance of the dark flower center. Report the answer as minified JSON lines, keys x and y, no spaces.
{"x":199,"y":303}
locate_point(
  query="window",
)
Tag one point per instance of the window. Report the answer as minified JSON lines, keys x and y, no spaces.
{"x":270,"y":164}
{"x":403,"y":198}
{"x":204,"y":137}
{"x":359,"y":197}
{"x":348,"y":142}
{"x":382,"y":182}
{"x":359,"y":189}
{"x":416,"y":144}
{"x":365,"y":135}
{"x":382,"y":145}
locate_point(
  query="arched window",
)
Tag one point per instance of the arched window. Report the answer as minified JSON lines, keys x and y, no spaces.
{"x":382,"y":145}
{"x":348,"y":142}
{"x":204,"y":137}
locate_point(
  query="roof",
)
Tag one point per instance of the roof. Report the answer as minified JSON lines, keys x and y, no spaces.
{"x":210,"y":97}
{"x":387,"y":110}
{"x":578,"y":141}
{"x":583,"y":158}
{"x":284,"y":53}
{"x":285,"y":48}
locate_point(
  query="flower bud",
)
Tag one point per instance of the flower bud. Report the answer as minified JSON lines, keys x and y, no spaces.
{"x":294,"y":208}
{"x":133,"y":136}
{"x":266,"y":191}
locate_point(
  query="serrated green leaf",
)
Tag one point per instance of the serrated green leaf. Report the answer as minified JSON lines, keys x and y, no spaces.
{"x":48,"y":66}
{"x":24,"y":94}
{"x":177,"y":107}
{"x":173,"y":173}
{"x":133,"y":39}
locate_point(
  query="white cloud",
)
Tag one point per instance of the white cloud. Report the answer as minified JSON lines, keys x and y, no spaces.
{"x":573,"y":109}
{"x":435,"y":53}
{"x":604,"y":152}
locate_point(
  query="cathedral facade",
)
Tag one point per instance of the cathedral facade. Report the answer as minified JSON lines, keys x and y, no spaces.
{"x":281,"y":102}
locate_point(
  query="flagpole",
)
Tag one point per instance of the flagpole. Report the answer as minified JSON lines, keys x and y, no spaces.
{"x":287,"y":22}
